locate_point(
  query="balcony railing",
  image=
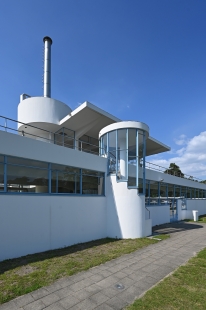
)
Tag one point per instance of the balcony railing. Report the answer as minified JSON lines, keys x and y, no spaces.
{"x":30,"y":131}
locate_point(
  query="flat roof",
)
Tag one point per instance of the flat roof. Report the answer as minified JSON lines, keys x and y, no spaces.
{"x":89,"y":119}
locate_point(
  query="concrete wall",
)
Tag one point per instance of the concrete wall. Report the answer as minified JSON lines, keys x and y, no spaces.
{"x":19,"y":146}
{"x":125,"y":210}
{"x":158,"y":214}
{"x":192,"y":204}
{"x":31,"y":224}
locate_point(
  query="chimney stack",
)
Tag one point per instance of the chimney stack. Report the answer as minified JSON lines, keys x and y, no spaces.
{"x":47,"y":66}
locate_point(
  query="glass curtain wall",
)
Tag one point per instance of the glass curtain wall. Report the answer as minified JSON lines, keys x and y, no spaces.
{"x":126,"y":151}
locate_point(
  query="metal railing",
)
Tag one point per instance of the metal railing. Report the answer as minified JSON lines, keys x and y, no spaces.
{"x":161,"y":169}
{"x":30,"y":131}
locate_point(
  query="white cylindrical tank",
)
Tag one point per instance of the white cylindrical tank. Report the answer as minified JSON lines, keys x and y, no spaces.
{"x":41,"y":112}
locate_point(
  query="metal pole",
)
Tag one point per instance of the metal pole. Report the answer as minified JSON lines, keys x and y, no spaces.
{"x":47,"y":66}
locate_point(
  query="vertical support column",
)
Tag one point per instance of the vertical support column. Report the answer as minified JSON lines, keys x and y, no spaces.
{"x":80,"y":182}
{"x":144,"y":155}
{"x":107,"y":154}
{"x":116,"y":136}
{"x":137,"y":158}
{"x":123,"y":143}
{"x":49,"y":178}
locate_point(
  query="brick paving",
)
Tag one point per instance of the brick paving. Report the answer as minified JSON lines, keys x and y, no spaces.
{"x":117,"y":283}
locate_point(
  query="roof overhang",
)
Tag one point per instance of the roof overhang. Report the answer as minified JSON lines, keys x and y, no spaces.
{"x":88,"y":119}
{"x":155,"y":147}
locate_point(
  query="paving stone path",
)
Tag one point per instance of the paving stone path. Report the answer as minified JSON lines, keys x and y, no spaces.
{"x":116,"y":284}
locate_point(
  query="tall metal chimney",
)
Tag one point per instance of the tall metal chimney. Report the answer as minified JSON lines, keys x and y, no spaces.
{"x":47,"y":66}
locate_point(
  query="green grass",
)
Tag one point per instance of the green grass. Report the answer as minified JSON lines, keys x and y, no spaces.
{"x":160,"y":237}
{"x":201,"y":219}
{"x":185,"y":289}
{"x":25,"y":274}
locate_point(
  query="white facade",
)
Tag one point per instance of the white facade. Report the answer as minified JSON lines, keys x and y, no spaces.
{"x":68,"y":177}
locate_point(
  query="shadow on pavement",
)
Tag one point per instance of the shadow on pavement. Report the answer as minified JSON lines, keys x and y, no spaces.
{"x":175,"y":227}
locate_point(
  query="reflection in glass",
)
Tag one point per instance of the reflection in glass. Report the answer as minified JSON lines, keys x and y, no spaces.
{"x":92,"y":185}
{"x":26,"y":179}
{"x":1,"y":177}
{"x":154,"y":193}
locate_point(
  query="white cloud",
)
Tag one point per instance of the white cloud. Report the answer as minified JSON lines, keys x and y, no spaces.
{"x":181,"y":140}
{"x":191,"y":158}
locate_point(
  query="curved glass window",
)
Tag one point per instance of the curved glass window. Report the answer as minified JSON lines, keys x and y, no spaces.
{"x":126,"y":149}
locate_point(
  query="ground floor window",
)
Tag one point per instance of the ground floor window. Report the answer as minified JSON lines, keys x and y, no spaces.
{"x":20,"y":175}
{"x":160,"y":193}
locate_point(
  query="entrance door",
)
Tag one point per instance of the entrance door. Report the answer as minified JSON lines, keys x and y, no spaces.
{"x":173,"y":210}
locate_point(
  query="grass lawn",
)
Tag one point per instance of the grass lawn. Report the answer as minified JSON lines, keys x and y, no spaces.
{"x":185,"y":289}
{"x":28,"y":273}
{"x":201,"y":219}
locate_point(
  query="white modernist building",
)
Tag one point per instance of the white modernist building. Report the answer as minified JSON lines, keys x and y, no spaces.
{"x":73,"y":176}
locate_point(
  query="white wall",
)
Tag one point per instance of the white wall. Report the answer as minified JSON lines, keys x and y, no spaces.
{"x":192,"y":204}
{"x":125,"y":210}
{"x":19,"y":146}
{"x":158,"y":214}
{"x":42,"y":110}
{"x":31,"y":224}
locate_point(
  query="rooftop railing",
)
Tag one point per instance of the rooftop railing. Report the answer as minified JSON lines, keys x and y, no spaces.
{"x":155,"y":167}
{"x":10,"y":125}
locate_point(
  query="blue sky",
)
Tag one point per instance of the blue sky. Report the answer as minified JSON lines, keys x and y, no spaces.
{"x":138,"y":60}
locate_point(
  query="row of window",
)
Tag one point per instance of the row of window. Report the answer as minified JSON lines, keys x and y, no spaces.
{"x":163,"y":193}
{"x":30,"y":176}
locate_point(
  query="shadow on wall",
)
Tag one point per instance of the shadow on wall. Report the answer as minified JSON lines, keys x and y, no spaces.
{"x":10,"y":264}
{"x":113,"y":224}
{"x":171,"y":228}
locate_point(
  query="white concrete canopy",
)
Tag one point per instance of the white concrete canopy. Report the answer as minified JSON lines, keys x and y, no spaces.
{"x":87,"y":119}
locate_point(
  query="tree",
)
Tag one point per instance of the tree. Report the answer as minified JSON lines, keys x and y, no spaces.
{"x":174,"y":170}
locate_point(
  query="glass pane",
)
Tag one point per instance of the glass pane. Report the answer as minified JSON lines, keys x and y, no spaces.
{"x":192,"y":193}
{"x":140,"y":142}
{"x":147,"y":193}
{"x":200,"y":193}
{"x":204,"y":194}
{"x":196,"y":193}
{"x":132,"y":157}
{"x":163,"y":193}
{"x":1,"y":177}
{"x":122,"y":154}
{"x":1,"y":158}
{"x":140,"y":186}
{"x":154,"y":195}
{"x":131,"y":181}
{"x":91,"y":185}
{"x":183,"y":191}
{"x":177,"y":191}
{"x":24,"y":179}
{"x":67,"y":169}
{"x":170,"y":191}
{"x":64,"y":182}
{"x":101,"y":186}
{"x":188,"y":192}
{"x":68,"y":133}
{"x":26,"y":162}
{"x":104,"y":144}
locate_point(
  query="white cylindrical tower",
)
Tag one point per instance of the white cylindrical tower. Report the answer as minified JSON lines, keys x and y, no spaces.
{"x":125,"y":194}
